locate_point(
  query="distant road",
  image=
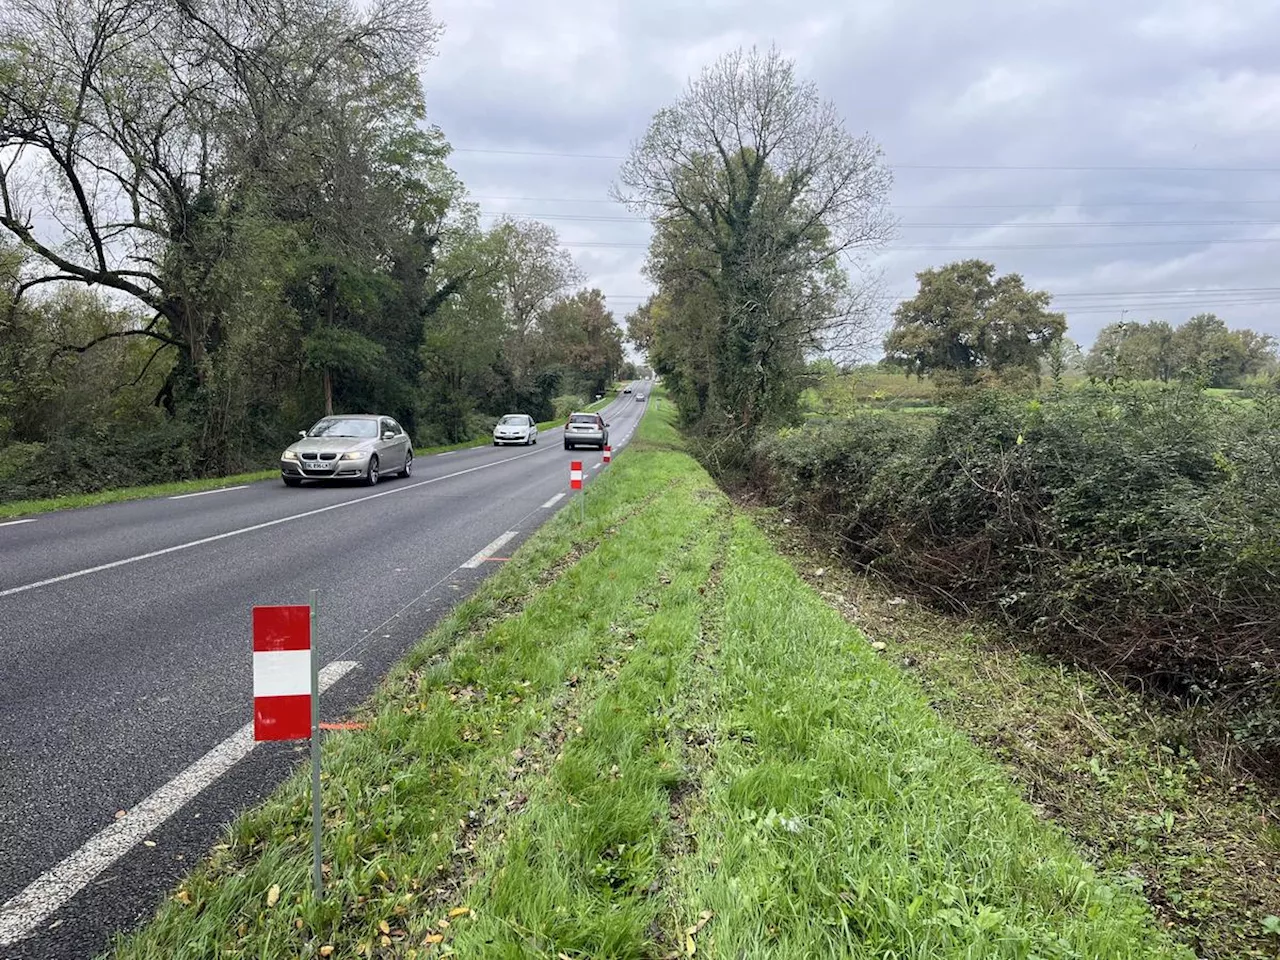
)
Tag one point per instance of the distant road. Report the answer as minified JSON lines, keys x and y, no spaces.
{"x":125,"y":659}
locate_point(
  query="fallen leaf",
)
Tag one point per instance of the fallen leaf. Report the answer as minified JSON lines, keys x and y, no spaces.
{"x":386,"y":941}
{"x":298,"y":923}
{"x":273,"y":895}
{"x":442,"y":924}
{"x":326,"y":950}
{"x":459,"y":912}
{"x":879,"y":645}
{"x":183,"y":897}
{"x":384,"y":926}
{"x":433,"y":938}
{"x":148,"y":843}
{"x":690,"y":948}
{"x":120,"y":813}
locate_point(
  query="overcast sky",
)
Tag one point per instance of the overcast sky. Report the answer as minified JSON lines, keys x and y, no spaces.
{"x":1037,"y":134}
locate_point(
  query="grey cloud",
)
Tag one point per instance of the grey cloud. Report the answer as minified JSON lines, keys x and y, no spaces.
{"x":1053,"y":83}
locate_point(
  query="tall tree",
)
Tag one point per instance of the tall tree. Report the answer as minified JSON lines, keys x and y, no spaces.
{"x":757,"y":180}
{"x":965,"y":319}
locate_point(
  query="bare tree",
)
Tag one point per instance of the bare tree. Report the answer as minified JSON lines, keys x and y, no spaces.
{"x":761,"y":175}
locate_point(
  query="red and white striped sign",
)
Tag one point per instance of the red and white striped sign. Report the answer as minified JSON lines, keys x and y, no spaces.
{"x":608,"y":451}
{"x":282,"y":672}
{"x":575,"y":474}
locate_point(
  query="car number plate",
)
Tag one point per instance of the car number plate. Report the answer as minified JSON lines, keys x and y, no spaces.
{"x":320,"y":464}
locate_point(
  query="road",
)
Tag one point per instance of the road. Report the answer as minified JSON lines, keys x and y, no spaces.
{"x":125,"y":659}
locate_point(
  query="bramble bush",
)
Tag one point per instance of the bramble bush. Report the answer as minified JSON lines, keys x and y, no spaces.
{"x":1137,"y":529}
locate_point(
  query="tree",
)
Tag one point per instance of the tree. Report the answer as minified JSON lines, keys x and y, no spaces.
{"x":965,"y":319}
{"x":533,"y":271}
{"x":758,"y":192}
{"x":579,"y":334}
{"x":157,"y":132}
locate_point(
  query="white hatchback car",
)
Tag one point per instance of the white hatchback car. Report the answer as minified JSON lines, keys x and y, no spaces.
{"x":515,"y":428}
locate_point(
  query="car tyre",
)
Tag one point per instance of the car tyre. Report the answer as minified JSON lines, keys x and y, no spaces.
{"x":372,"y":476}
{"x":292,"y":481}
{"x":408,"y":465}
{"x":567,"y":446}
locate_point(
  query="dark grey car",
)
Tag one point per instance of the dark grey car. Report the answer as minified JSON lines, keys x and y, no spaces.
{"x":359,"y":447}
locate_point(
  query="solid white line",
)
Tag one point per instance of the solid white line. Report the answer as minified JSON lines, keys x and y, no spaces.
{"x":597,"y":466}
{"x":205,"y":493}
{"x":488,"y":551}
{"x":552,"y":502}
{"x":20,"y":916}
{"x":257,"y":526}
{"x":14,"y":523}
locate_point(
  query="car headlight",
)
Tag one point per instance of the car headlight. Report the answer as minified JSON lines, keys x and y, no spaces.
{"x":352,"y":455}
{"x":288,"y":455}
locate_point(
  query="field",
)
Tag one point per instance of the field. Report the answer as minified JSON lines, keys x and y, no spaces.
{"x":647,"y":737}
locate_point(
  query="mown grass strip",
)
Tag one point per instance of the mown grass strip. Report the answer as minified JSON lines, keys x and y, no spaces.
{"x":579,"y":868}
{"x":844,"y":820}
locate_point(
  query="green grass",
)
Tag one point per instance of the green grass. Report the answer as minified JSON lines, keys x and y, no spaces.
{"x":1119,"y":772}
{"x":646,"y":733}
{"x":25,"y":508}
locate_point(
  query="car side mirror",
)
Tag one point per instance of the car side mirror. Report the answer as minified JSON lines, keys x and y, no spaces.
{"x":302,"y":433}
{"x":388,"y":435}
{"x":606,"y":423}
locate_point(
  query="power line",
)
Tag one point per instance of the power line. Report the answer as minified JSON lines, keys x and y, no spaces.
{"x":979,"y":248}
{"x":1133,"y":168}
{"x":927,"y":226}
{"x":1183,"y":292}
{"x":949,"y":206}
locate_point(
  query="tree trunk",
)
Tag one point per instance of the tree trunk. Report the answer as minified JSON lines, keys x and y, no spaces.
{"x":328,"y":393}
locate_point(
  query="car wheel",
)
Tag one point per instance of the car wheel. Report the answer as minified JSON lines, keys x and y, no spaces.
{"x":371,"y":478}
{"x":408,"y":465}
{"x":566,"y":445}
{"x":292,"y":481}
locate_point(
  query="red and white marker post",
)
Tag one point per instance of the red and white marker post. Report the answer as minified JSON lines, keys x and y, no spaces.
{"x":608,"y":453}
{"x":575,"y":483}
{"x":286,"y":693}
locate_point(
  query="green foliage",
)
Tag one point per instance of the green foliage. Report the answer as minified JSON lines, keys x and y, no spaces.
{"x":1202,"y":349}
{"x":966,"y":320}
{"x":1139,"y":528}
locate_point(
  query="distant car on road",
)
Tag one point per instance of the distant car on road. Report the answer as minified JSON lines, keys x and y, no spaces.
{"x":359,"y":446}
{"x":639,"y":397}
{"x":626,"y":389}
{"x":586,"y":430}
{"x":515,"y":428}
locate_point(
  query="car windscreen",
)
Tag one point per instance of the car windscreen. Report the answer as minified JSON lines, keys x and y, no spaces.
{"x":513,"y":420}
{"x":340,"y":427}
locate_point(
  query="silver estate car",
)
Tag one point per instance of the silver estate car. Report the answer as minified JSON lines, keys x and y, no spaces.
{"x":515,"y":428}
{"x":586,"y":430}
{"x":362,"y":446}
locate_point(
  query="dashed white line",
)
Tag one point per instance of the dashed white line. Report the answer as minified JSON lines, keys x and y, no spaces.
{"x":597,"y":466}
{"x":489,"y":551}
{"x":205,"y":493}
{"x":14,"y":523}
{"x":257,"y":526}
{"x":21,"y":915}
{"x":552,"y":502}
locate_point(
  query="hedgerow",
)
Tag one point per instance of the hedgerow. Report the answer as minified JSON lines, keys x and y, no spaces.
{"x":1136,"y":528}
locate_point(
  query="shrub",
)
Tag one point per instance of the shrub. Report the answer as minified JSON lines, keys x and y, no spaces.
{"x":1139,"y":529}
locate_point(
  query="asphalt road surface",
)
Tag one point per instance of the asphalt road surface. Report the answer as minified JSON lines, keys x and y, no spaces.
{"x":125,"y":659}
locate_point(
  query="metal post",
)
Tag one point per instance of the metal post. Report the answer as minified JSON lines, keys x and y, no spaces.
{"x":316,"y":874}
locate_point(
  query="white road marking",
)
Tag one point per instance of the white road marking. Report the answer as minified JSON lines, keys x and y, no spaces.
{"x":205,"y":493}
{"x":446,"y":453}
{"x":20,"y":916}
{"x":597,"y":466}
{"x":552,"y":502}
{"x":257,"y":526}
{"x":14,"y":523}
{"x":488,"y":551}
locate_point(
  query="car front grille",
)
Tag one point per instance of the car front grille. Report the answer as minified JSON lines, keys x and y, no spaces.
{"x":319,"y":456}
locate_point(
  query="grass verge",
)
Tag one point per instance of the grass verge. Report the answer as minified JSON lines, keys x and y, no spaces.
{"x":1117,"y":771}
{"x":646,"y":737}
